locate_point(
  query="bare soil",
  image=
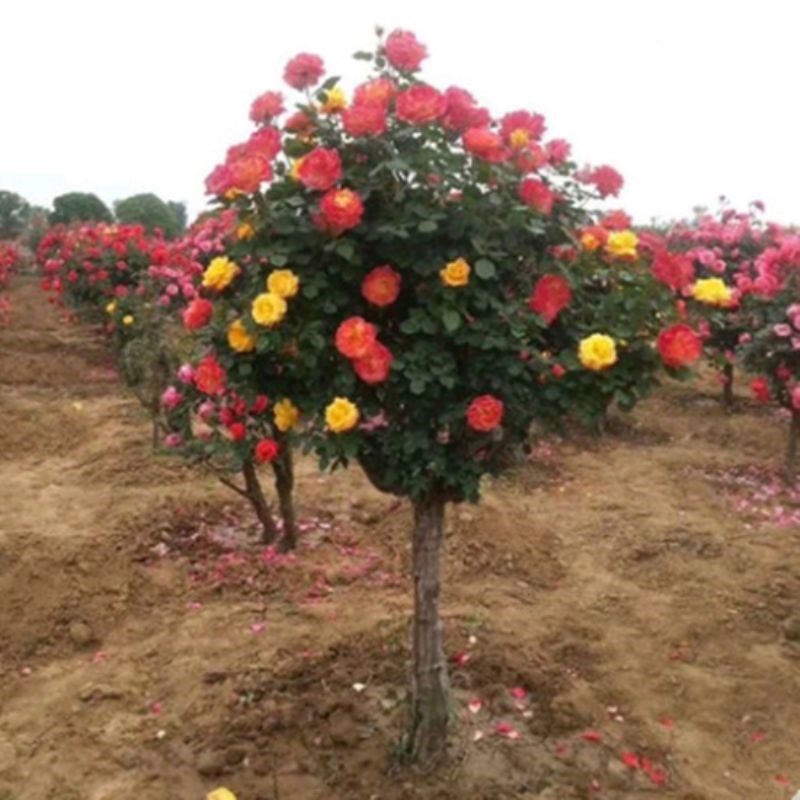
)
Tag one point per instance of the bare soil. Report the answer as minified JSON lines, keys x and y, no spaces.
{"x":150,"y":649}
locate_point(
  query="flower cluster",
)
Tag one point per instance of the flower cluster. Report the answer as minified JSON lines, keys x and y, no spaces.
{"x":405,"y":271}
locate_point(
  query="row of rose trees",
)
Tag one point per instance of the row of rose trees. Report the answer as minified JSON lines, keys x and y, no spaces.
{"x":402,"y":281}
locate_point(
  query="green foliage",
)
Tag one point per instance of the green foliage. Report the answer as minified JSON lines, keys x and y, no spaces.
{"x":14,"y":214}
{"x":151,"y":212}
{"x":79,"y":207}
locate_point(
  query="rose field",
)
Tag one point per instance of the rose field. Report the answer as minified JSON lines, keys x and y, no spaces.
{"x":412,"y":467}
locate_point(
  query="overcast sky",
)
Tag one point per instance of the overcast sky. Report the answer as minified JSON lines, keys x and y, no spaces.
{"x":689,"y":100}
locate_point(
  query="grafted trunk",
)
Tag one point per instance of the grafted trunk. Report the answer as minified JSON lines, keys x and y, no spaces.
{"x":430,"y":685}
{"x":283,"y":467}
{"x":269,"y":531}
{"x":791,"y":447}
{"x":727,"y":387}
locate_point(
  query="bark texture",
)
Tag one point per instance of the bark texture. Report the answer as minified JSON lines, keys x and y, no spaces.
{"x":430,"y":685}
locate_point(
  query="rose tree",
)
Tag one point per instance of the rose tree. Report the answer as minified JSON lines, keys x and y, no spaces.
{"x":402,"y":286}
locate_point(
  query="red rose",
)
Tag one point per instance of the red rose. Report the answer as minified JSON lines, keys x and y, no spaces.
{"x":679,"y":345}
{"x":558,"y":370}
{"x":485,"y":413}
{"x":485,"y":144}
{"x":760,"y":389}
{"x":260,"y":404}
{"x":209,"y":377}
{"x":420,"y":105}
{"x":340,"y":210}
{"x":266,"y":106}
{"x":531,"y":159}
{"x":364,"y":120}
{"x":551,"y":295}
{"x":522,"y":121}
{"x":237,"y":431}
{"x":403,"y":51}
{"x":355,"y":336}
{"x":320,"y":169}
{"x":462,"y":112}
{"x":266,"y":451}
{"x":219,"y":181}
{"x":606,"y":180}
{"x":197,"y":314}
{"x":299,"y":123}
{"x":374,"y":366}
{"x":381,"y":286}
{"x":248,"y":171}
{"x":616,"y":221}
{"x":265,"y":142}
{"x":558,"y":151}
{"x":536,"y":194}
{"x":673,"y":269}
{"x":378,"y":92}
{"x":303,"y":71}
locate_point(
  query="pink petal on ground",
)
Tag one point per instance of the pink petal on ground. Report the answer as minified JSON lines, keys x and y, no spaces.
{"x":667,"y":723}
{"x":475,"y":705}
{"x":758,"y":736}
{"x":630,"y":760}
{"x":195,"y":606}
{"x":507,"y":729}
{"x":257,"y":627}
{"x":782,"y":780}
{"x":99,"y":657}
{"x":592,"y":736}
{"x":26,"y":672}
{"x":156,"y":708}
{"x":518,"y":693}
{"x":459,"y":659}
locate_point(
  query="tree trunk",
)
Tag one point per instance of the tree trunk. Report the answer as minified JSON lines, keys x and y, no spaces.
{"x":283,"y":467}
{"x":791,"y":449}
{"x":269,"y":531}
{"x":430,"y":686}
{"x":727,"y":387}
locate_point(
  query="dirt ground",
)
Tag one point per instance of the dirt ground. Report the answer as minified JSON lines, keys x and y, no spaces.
{"x":621,"y":613}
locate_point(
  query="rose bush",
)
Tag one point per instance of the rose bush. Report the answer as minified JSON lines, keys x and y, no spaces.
{"x":772,"y":348}
{"x":411,"y":295}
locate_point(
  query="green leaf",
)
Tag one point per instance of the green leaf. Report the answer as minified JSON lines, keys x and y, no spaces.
{"x":451,"y":319}
{"x":363,"y":55}
{"x":485,"y":269}
{"x":427,"y":226}
{"x":417,"y":387}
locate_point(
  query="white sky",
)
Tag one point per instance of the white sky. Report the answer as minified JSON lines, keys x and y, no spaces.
{"x":689,"y":100}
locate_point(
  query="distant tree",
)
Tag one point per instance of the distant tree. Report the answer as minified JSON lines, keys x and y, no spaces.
{"x":150,"y":211}
{"x":79,"y":207}
{"x":14,"y":213}
{"x":179,"y":212}
{"x":35,"y":227}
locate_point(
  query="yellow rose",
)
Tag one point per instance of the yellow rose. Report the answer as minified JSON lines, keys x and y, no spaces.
{"x":128,"y":319}
{"x":245,"y":232}
{"x":283,"y":282}
{"x":335,"y":101}
{"x":221,"y":794}
{"x":712,"y":292}
{"x":294,"y":170}
{"x":622,"y":244}
{"x":219,"y":273}
{"x":268,"y":309}
{"x":597,"y":352}
{"x":287,"y":415}
{"x":232,"y":194}
{"x":456,"y":273}
{"x":239,"y":339}
{"x":111,"y":307}
{"x":341,"y":415}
